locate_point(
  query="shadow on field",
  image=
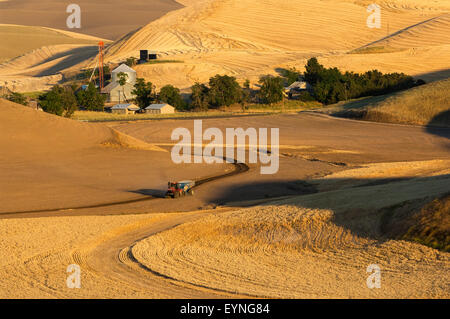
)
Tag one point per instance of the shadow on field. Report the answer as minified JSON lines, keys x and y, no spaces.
{"x":157,"y":193}
{"x":261,"y":190}
{"x":434,"y":76}
{"x":380,"y":209}
{"x":69,"y":58}
{"x":440,"y":125}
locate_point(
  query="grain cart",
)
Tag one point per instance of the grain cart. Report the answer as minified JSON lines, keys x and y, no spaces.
{"x":179,"y":189}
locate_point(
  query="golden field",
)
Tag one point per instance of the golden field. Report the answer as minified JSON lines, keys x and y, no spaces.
{"x":348,"y":194}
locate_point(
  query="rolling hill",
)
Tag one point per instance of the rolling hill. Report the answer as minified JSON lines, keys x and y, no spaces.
{"x":108,"y":19}
{"x":247,"y":40}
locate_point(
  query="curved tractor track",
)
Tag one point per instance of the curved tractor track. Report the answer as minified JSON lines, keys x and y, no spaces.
{"x":112,"y":260}
{"x":239,"y":168}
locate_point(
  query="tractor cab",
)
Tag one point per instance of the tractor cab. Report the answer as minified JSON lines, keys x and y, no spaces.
{"x":179,"y":189}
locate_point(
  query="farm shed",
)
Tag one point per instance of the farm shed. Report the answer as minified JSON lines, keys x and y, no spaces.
{"x":160,"y":109}
{"x":124,"y":109}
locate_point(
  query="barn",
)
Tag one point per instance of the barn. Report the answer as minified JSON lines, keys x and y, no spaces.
{"x":116,"y":92}
{"x":163,"y":108}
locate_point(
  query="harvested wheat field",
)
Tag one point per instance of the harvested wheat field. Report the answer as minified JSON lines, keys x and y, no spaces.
{"x":109,"y":19}
{"x":317,"y":245}
{"x":347,"y":195}
{"x":215,"y":36}
{"x":207,"y":37}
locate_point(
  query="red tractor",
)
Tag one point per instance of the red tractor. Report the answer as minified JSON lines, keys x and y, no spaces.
{"x":179,"y":189}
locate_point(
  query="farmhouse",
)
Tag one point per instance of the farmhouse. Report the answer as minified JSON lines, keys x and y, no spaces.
{"x":124,"y":108}
{"x":160,"y":109}
{"x":116,"y":92}
{"x":295,"y":88}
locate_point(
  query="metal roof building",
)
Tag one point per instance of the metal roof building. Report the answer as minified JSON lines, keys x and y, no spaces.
{"x":162,"y":108}
{"x":127,"y":108}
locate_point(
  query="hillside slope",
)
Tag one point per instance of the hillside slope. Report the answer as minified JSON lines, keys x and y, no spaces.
{"x":109,"y":19}
{"x":428,"y":104}
{"x":24,"y":131}
{"x":247,"y":40}
{"x":18,"y":39}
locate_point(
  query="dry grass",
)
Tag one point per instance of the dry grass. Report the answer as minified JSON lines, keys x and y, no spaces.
{"x":424,"y":105}
{"x":432,"y":225}
{"x":374,"y":50}
{"x":234,"y":110}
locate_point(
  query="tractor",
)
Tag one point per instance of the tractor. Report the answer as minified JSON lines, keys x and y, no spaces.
{"x":179,"y":189}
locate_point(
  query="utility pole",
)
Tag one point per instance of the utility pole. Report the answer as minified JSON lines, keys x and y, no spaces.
{"x":101,"y":46}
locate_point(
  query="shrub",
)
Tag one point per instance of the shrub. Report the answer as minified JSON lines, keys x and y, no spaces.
{"x":91,"y":99}
{"x":171,"y":95}
{"x":305,"y":96}
{"x":143,"y":92}
{"x":17,"y":98}
{"x":291,"y":75}
{"x":131,"y":61}
{"x":331,"y":86}
{"x":59,"y":100}
{"x":224,"y":90}
{"x":271,"y":89}
{"x":199,"y":97}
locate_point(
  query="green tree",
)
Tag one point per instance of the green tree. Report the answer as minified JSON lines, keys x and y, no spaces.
{"x":170,"y":94}
{"x":17,"y":98}
{"x":59,"y":100}
{"x":246,"y":94}
{"x":91,"y":99}
{"x":143,"y":92}
{"x":199,"y":97}
{"x":291,"y":75}
{"x":122,"y":80}
{"x":131,"y":61}
{"x":330,"y":85}
{"x":314,"y":71}
{"x":271,"y":89}
{"x":224,"y":90}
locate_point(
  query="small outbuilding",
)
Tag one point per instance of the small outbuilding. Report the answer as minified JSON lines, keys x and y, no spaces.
{"x":163,"y":108}
{"x":297,"y":88}
{"x":125,"y":109}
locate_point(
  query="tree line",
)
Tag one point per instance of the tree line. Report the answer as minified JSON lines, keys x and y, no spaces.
{"x":330,"y":85}
{"x":327,"y":85}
